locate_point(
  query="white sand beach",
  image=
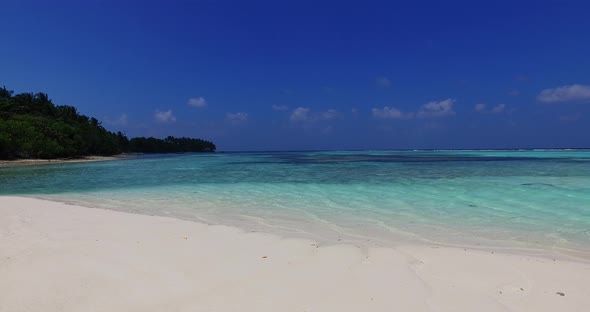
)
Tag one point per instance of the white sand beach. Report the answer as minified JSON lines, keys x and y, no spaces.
{"x":58,"y":257}
{"x":36,"y":162}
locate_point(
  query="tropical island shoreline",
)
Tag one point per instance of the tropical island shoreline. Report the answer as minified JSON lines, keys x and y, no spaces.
{"x":33,"y":128}
{"x":60,"y":257}
{"x":36,"y":162}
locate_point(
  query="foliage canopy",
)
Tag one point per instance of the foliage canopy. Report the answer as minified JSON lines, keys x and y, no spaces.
{"x":31,"y":126}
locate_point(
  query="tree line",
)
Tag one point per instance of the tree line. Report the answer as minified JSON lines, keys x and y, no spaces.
{"x":31,"y":126}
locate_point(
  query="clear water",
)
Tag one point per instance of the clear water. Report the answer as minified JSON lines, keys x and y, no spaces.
{"x":534,"y":200}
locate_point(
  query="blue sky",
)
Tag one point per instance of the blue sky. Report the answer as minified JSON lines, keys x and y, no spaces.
{"x":289,"y":75}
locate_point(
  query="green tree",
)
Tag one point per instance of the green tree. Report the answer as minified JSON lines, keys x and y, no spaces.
{"x":31,"y":126}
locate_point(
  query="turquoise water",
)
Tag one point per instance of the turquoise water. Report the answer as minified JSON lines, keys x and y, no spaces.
{"x":538,"y":200}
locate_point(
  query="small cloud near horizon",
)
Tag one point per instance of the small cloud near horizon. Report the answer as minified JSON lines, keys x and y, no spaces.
{"x":568,"y":93}
{"x":330,"y":114}
{"x":437,"y":109}
{"x":383,"y":82}
{"x":498,"y":108}
{"x":119,"y":121}
{"x":305,"y":115}
{"x":300,"y":114}
{"x":164,"y":117}
{"x":390,"y":113}
{"x":236,"y":118}
{"x":198,"y":102}
{"x":482,"y":108}
{"x":432,"y":109}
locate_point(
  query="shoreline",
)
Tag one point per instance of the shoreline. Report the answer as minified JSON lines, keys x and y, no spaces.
{"x":36,"y":162}
{"x":369,"y":240}
{"x":55,"y":256}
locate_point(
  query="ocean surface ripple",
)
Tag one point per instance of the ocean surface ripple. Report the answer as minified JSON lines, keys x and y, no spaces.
{"x":511,"y":199}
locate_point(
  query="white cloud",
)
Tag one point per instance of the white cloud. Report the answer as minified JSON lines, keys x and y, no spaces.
{"x":280,"y":107}
{"x":437,"y":109}
{"x":383,"y":82}
{"x":498,"y":108}
{"x":330,"y":114}
{"x":305,"y":115}
{"x":428,"y":110}
{"x":119,"y":121}
{"x":571,"y":93}
{"x":197,"y":102}
{"x":236,"y":118}
{"x":327,"y":130}
{"x":480,"y":107}
{"x":390,"y":113}
{"x":164,"y":117}
{"x":300,"y":114}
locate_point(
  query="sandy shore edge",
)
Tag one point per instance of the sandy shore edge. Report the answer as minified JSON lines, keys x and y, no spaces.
{"x":36,"y":162}
{"x":59,"y":257}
